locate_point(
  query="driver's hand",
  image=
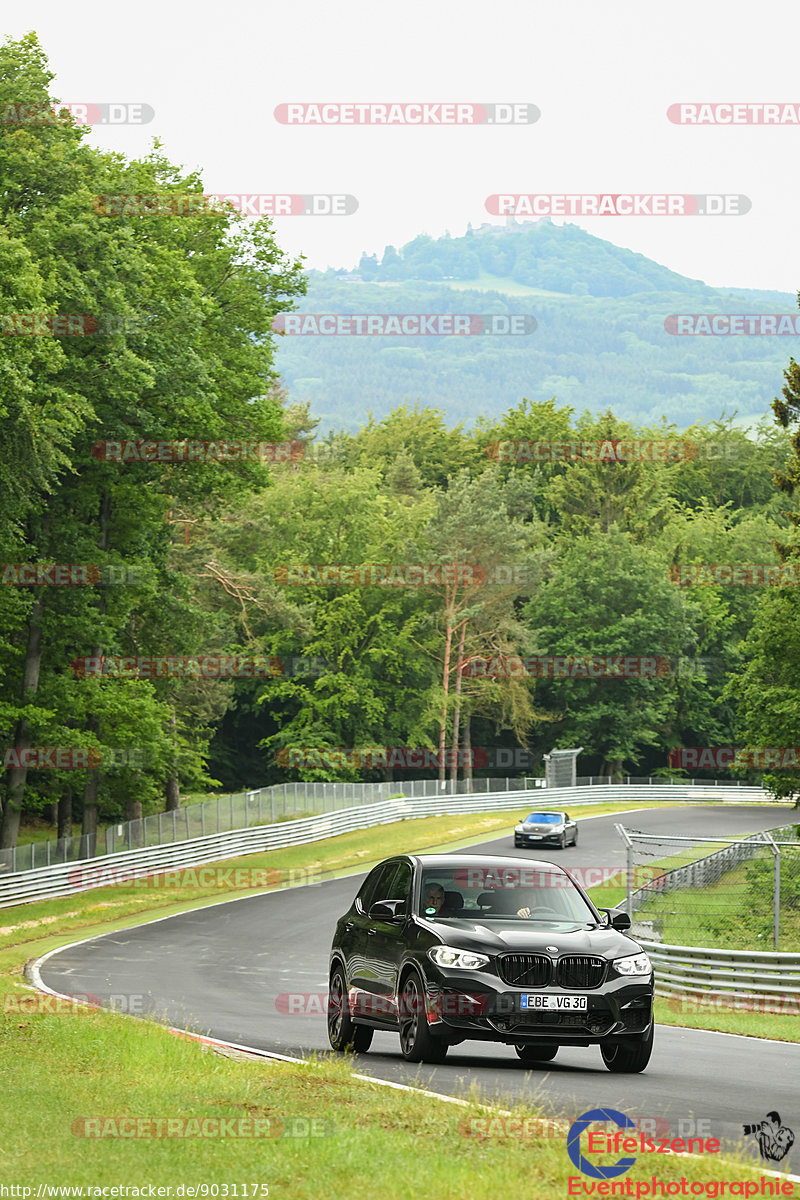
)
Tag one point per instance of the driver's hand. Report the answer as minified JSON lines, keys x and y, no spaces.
{"x":523,"y":912}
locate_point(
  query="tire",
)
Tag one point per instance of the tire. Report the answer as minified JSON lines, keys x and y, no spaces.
{"x":562,"y":845}
{"x":575,"y":838}
{"x":343,"y":1034}
{"x":416,"y":1042}
{"x":535,"y":1054}
{"x":627,"y":1055}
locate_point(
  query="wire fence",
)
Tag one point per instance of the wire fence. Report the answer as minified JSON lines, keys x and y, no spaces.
{"x":264,"y":806}
{"x":737,"y":894}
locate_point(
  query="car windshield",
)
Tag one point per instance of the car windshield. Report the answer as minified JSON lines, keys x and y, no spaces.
{"x":543,"y":819}
{"x":507,"y":893}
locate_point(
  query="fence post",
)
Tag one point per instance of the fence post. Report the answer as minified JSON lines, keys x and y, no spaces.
{"x":623,"y":833}
{"x":776,"y":890}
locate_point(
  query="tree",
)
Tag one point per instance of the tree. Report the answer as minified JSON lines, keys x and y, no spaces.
{"x":188,"y":355}
{"x":610,"y":597}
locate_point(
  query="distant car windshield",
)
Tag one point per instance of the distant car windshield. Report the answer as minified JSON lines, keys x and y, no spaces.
{"x":543,"y":819}
{"x":491,"y":893}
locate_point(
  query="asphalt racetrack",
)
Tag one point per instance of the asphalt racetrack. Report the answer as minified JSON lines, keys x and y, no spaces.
{"x":228,"y":971}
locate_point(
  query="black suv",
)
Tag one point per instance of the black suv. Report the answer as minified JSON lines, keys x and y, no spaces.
{"x":443,"y":948}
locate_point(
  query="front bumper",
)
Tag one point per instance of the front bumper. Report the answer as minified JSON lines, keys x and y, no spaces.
{"x":483,"y":1007}
{"x":538,"y":839}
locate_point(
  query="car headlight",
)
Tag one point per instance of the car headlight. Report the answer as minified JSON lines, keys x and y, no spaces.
{"x":635,"y":964}
{"x":518,"y":828}
{"x":447,"y":956}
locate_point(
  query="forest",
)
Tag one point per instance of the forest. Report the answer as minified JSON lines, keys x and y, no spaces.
{"x":200,"y":591}
{"x":599,"y":333}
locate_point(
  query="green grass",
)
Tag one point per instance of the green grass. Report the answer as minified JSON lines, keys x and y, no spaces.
{"x":60,"y":1068}
{"x":723,"y":915}
{"x":367,"y":1139}
{"x":782,"y":1027}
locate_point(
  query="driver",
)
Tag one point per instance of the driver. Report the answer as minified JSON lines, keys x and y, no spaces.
{"x":433,"y":898}
{"x":534,"y":902}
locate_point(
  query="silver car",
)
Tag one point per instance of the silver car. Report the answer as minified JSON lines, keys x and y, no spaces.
{"x":546,"y":829}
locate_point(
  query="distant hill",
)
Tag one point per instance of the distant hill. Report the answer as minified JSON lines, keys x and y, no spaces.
{"x":600,"y":340}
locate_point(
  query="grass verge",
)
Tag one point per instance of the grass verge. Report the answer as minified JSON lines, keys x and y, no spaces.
{"x":336,"y":1135}
{"x":61,"y":1068}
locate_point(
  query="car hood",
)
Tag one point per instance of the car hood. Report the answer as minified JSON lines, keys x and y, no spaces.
{"x":497,"y":937}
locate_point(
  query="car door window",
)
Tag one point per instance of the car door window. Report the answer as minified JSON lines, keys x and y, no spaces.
{"x":400,"y":884}
{"x":373,"y":887}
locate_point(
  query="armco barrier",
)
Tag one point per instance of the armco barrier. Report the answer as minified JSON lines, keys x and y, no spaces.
{"x":730,"y":980}
{"x":62,"y":879}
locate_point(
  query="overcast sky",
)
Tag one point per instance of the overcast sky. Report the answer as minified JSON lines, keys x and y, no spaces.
{"x":602,"y":74}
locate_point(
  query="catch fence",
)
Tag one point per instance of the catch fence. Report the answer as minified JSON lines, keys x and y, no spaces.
{"x":731,"y":893}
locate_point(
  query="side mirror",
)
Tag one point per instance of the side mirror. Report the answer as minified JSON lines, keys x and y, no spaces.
{"x":386,"y":910}
{"x":616,"y":919}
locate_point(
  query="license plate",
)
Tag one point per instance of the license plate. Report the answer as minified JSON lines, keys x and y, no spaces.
{"x":564,"y":1003}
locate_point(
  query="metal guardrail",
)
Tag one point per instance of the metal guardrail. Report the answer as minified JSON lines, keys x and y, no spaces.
{"x":70,"y":878}
{"x":286,"y":801}
{"x":240,"y":810}
{"x":67,"y":879}
{"x":728,"y":979}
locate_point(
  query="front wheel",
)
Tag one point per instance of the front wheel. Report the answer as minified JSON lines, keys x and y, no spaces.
{"x":575,"y":838}
{"x":343,"y":1034}
{"x":627,"y":1055}
{"x":416,"y":1042}
{"x":534,"y":1054}
{"x":563,"y":843}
